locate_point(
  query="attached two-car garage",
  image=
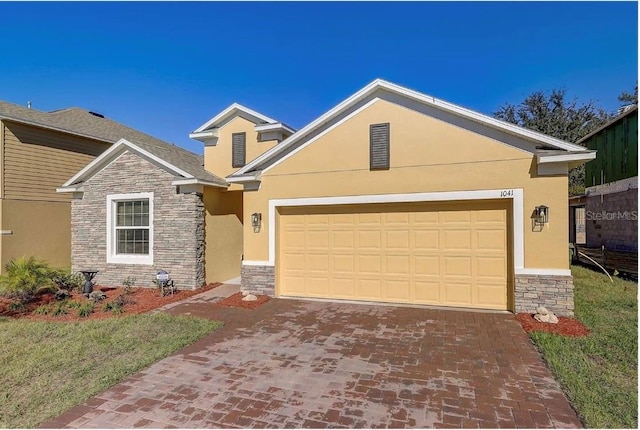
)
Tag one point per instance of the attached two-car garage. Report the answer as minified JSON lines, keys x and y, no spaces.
{"x":435,"y":253}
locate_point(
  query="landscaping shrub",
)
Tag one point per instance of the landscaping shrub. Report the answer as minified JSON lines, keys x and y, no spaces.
{"x":24,"y":277}
{"x":65,"y":280}
{"x":85,"y":309}
{"x":115,"y":307}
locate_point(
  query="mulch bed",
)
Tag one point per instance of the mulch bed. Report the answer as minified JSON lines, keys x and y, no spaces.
{"x":570,"y":327}
{"x":235,"y":301}
{"x":144,"y":300}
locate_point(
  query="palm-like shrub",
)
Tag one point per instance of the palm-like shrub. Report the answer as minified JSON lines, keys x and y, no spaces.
{"x":23,"y":277}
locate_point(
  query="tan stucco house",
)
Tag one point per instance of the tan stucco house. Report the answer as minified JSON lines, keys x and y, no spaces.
{"x":392,"y":196}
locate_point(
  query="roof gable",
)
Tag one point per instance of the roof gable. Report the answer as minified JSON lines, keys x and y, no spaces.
{"x":231,"y":112}
{"x":379,"y":89}
{"x":119,"y":148}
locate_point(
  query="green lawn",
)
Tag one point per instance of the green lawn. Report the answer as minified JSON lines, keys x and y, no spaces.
{"x":599,"y":373}
{"x":46,"y":368}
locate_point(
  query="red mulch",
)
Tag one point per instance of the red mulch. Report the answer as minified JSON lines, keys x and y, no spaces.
{"x":146,"y":299}
{"x":566,"y":326}
{"x":235,"y":301}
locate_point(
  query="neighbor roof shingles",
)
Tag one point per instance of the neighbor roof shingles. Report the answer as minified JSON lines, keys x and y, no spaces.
{"x":81,"y":122}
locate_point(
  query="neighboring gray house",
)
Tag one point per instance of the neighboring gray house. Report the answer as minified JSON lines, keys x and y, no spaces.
{"x":138,"y":208}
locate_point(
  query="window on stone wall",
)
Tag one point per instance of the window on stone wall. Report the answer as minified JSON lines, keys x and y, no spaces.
{"x":130,"y":228}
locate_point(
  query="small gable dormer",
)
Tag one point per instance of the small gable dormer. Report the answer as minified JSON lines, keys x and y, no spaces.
{"x":236,"y":136}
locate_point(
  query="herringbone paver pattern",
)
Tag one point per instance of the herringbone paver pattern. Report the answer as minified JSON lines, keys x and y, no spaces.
{"x":292,"y":364}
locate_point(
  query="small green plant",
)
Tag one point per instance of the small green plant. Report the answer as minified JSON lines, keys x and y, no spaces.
{"x":129,"y":281}
{"x":16,"y":306}
{"x":85,"y":310}
{"x":74,"y":305}
{"x":42,"y":310}
{"x":23,"y":278}
{"x":114,"y":307}
{"x":60,"y":309}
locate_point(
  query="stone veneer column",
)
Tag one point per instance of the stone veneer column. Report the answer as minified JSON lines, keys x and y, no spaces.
{"x":258,"y":280}
{"x":553,"y":292}
{"x":178,"y":225}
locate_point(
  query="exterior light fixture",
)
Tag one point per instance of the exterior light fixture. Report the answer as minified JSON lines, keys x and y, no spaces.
{"x":541,"y":215}
{"x":256,"y":220}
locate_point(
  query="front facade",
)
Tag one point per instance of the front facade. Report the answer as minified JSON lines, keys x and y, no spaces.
{"x":391,"y":198}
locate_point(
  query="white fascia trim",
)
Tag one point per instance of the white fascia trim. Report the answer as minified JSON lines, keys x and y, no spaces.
{"x":245,"y":178}
{"x":70,"y":189}
{"x":543,"y":272}
{"x":107,"y":156}
{"x":423,"y":98}
{"x":112,"y":257}
{"x":566,"y":158}
{"x":257,"y":263}
{"x":203,"y":135}
{"x":230,"y":111}
{"x":516,"y":194}
{"x":195,"y":181}
{"x":274,"y":127}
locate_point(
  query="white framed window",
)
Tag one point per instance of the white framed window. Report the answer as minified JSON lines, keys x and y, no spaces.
{"x":130,"y":228}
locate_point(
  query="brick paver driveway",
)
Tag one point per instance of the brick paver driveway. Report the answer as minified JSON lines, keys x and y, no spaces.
{"x":315,"y":364}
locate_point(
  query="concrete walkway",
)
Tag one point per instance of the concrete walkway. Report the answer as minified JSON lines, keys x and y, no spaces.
{"x":292,"y":364}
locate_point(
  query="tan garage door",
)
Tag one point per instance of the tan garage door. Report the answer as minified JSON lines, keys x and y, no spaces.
{"x":448,"y":254}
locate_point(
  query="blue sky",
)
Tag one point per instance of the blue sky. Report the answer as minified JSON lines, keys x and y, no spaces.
{"x":165,"y":68}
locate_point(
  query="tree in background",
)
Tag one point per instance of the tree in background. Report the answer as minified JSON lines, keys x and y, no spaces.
{"x":563,"y":119}
{"x":629,"y":99}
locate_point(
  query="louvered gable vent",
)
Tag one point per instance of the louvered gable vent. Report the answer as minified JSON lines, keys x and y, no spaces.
{"x":239,"y":155}
{"x":379,"y":146}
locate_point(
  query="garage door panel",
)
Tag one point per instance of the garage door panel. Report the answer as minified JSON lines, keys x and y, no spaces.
{"x":455,"y":217}
{"x":491,"y":240}
{"x":427,"y":265}
{"x":459,"y":294}
{"x":343,"y":240}
{"x":457,"y":240}
{"x":492,"y":267}
{"x":397,"y":239}
{"x":398,"y":290}
{"x":457,"y":266}
{"x":342,"y":288}
{"x":369,"y":289}
{"x":492,"y":296}
{"x":317,"y":286}
{"x":344,"y":264}
{"x":317,"y":239}
{"x":426,"y":240}
{"x":414,"y":253}
{"x":369,"y":240}
{"x":318,"y":262}
{"x":397,"y":265}
{"x":369,"y":264}
{"x":426,"y":292}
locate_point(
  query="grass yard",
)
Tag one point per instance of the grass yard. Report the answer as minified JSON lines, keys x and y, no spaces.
{"x":599,"y":373}
{"x":46,"y":368}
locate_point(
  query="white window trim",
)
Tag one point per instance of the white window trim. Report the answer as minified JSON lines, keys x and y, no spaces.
{"x":112,"y":257}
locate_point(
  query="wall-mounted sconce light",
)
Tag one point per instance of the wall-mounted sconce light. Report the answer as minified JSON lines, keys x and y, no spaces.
{"x":256,"y":221}
{"x":541,"y":215}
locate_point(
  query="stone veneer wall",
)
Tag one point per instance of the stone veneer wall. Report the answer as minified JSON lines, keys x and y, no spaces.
{"x":258,"y":280}
{"x":178,"y":236}
{"x":553,"y":292}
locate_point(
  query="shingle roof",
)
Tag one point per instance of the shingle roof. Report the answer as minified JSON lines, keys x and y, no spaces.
{"x":81,"y":122}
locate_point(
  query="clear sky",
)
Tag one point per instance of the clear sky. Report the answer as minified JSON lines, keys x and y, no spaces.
{"x":166,"y":68}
